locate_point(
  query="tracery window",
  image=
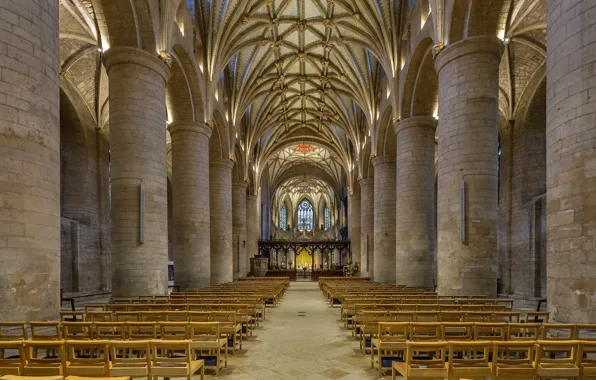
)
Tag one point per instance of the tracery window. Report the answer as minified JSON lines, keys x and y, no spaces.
{"x":327,"y":218}
{"x":283,"y":217}
{"x":305,"y":214}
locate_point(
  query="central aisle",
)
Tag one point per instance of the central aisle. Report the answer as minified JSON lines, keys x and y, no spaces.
{"x":310,"y":347}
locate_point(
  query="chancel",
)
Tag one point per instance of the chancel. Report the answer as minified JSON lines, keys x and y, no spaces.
{"x":308,"y":189}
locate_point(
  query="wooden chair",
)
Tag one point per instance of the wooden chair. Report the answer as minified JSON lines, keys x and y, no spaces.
{"x":452,"y":316}
{"x":174,"y":358}
{"x":490,"y":331}
{"x":523,"y":331}
{"x":428,"y":316}
{"x":130,"y":358}
{"x":51,"y":364}
{"x":369,"y":327}
{"x":13,"y":331}
{"x":45,"y":331}
{"x":390,"y":341}
{"x":505,"y":366}
{"x":230,"y":327}
{"x":585,"y":359}
{"x":537,"y":317}
{"x":426,"y":331}
{"x":96,"y":378}
{"x":473,"y":361}
{"x":86,"y":358}
{"x":207,"y":342}
{"x":506,"y":316}
{"x":557,"y":359}
{"x":199,"y":316}
{"x":110,"y":330}
{"x":76,"y":330}
{"x":99,"y":316}
{"x":432,"y":366}
{"x":141,"y":330}
{"x":14,"y":377}
{"x":459,"y":331}
{"x":174,"y":330}
{"x":478,"y":316}
{"x":72,"y":316}
{"x":176,"y":316}
{"x":11,"y":364}
{"x":127,"y":316}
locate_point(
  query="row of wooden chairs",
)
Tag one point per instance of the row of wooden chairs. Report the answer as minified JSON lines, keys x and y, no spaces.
{"x":138,"y":358}
{"x":495,"y":360}
{"x":15,"y":377}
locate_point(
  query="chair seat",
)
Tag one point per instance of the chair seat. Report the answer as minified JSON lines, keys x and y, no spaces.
{"x":97,"y":378}
{"x":557,"y":370}
{"x":127,"y":369}
{"x":13,"y":377}
{"x":212,"y":344}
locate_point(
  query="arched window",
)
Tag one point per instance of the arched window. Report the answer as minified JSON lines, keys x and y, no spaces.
{"x":327,"y":218}
{"x":305,"y":215}
{"x":283,"y":217}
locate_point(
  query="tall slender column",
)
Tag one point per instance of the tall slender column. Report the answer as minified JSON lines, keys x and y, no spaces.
{"x":354,"y":226}
{"x":29,"y":161}
{"x":571,"y":160}
{"x":367,"y":227}
{"x":468,"y":143}
{"x":190,"y":168}
{"x":415,"y":202}
{"x":253,"y":224}
{"x":137,"y":82}
{"x":239,"y":228}
{"x":384,"y":262}
{"x":220,"y":195}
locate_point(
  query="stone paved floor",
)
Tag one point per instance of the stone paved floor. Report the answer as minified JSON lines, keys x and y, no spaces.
{"x":310,"y":347}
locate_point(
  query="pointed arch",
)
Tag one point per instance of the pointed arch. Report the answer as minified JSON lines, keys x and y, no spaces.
{"x":305,"y":214}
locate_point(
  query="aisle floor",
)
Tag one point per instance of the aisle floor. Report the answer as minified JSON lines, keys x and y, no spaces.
{"x":291,"y":346}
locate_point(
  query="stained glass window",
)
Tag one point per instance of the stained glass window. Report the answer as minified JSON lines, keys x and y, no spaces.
{"x":283,"y":215}
{"x":305,"y":216}
{"x":327,"y":218}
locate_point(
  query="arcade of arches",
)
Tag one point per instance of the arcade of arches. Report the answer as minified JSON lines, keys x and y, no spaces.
{"x":446,"y":139}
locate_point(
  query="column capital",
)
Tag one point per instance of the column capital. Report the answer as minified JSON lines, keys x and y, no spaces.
{"x":128,"y":55}
{"x":192,"y":127}
{"x":251,"y":197}
{"x":416,"y":121}
{"x":226,"y":163}
{"x":473,"y":45}
{"x":386,"y":159}
{"x":367,"y":182}
{"x":242,"y":184}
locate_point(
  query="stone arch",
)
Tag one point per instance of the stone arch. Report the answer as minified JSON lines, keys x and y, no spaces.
{"x":179,"y":97}
{"x":470,"y":18}
{"x":420,"y":93}
{"x":218,"y":142}
{"x":314,"y":210}
{"x":387,"y":140}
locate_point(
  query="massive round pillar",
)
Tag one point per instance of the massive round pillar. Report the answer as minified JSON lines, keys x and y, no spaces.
{"x":384,"y":219}
{"x":468,"y":155}
{"x":137,"y":83}
{"x":571,"y":160}
{"x":415,"y":202}
{"x":354,"y":226}
{"x":29,"y":161}
{"x":220,"y":195}
{"x":367,"y":227}
{"x":190,"y":184}
{"x":239,"y":228}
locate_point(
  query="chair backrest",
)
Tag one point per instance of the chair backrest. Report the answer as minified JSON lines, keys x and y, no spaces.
{"x":176,"y":316}
{"x":586,"y":347}
{"x":478,"y":316}
{"x":72,"y":316}
{"x":402,"y":316}
{"x":585,"y":331}
{"x":394,"y":331}
{"x":33,"y":348}
{"x":428,"y":316}
{"x":152,"y":316}
{"x":433,"y":360}
{"x":13,"y":330}
{"x":110,"y":330}
{"x":490,"y":331}
{"x":45,"y":330}
{"x":204,"y":330}
{"x":523,"y":331}
{"x":91,"y":354}
{"x":141,"y":330}
{"x":460,"y":331}
{"x":174,"y":330}
{"x":506,"y":316}
{"x":199,"y":316}
{"x":76,"y":330}
{"x":7,"y":358}
{"x":166,"y":353}
{"x":452,"y":316}
{"x":99,"y":316}
{"x":426,"y":331}
{"x":224,"y":317}
{"x":502,"y":353}
{"x":475,"y":353}
{"x":557,"y":352}
{"x":131,"y":352}
{"x":558,"y":331}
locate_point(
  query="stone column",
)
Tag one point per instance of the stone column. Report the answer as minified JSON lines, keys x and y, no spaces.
{"x":253,"y":224}
{"x":239,"y":228}
{"x":415,"y":202}
{"x":137,"y":82}
{"x":190,"y":186}
{"x":29,"y":161}
{"x":384,"y":218}
{"x":468,"y":143}
{"x":354,"y":226}
{"x":220,"y":195}
{"x":367,"y":227}
{"x":571,"y":160}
